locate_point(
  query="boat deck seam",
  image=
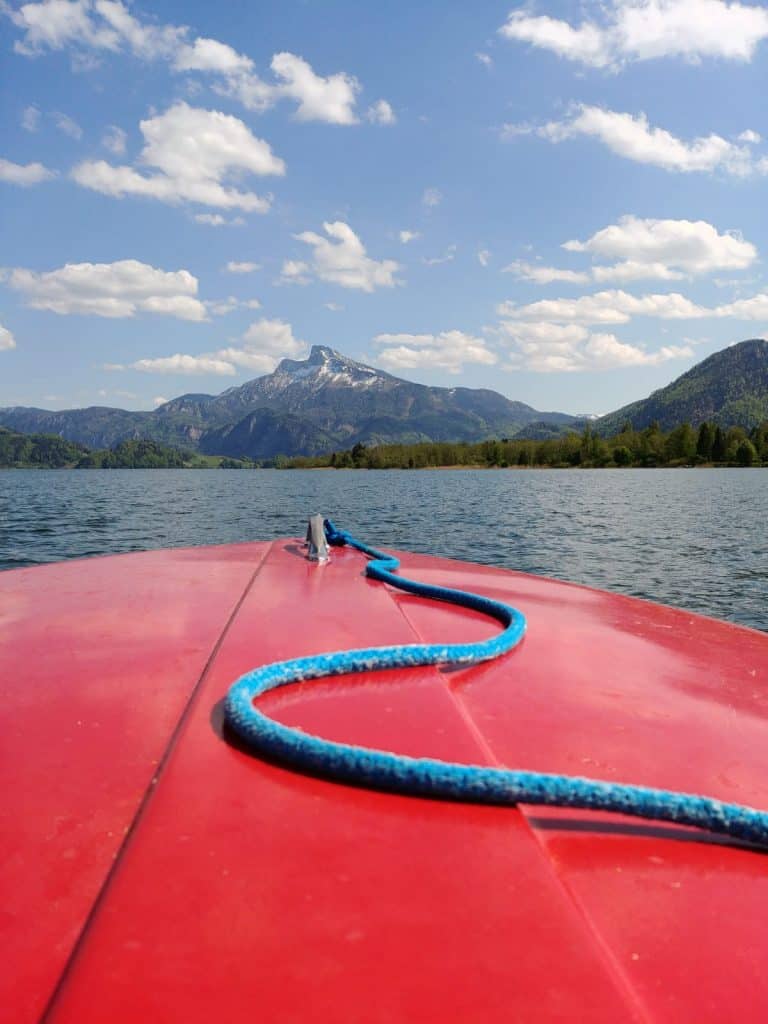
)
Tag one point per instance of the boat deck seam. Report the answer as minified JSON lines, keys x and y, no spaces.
{"x":151,"y":788}
{"x":611,"y":965}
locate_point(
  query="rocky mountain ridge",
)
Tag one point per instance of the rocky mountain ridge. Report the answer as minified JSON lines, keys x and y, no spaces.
{"x":328,"y":402}
{"x":302,"y":407}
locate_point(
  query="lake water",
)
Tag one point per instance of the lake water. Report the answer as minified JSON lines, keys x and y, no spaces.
{"x":691,"y":538}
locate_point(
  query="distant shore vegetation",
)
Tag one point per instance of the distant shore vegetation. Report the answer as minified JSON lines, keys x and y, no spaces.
{"x":683,"y":446}
{"x":708,"y":445}
{"x":49,"y":451}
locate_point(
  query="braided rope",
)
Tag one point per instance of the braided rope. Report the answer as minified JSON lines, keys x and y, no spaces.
{"x":429,"y":777}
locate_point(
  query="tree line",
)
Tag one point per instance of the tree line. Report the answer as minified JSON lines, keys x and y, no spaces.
{"x":711,"y":444}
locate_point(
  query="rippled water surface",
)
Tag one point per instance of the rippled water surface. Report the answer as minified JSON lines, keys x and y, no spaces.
{"x":692,"y":538}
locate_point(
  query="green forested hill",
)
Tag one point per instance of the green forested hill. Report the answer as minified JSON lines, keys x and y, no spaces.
{"x":134,"y":455}
{"x":48,"y":451}
{"x":729,"y":388}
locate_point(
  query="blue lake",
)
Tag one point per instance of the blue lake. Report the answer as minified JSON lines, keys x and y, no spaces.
{"x":691,"y":538}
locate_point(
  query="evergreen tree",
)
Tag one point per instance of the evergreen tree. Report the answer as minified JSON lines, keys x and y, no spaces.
{"x":745,"y":453}
{"x":650,"y":450}
{"x":759,"y":439}
{"x":680,"y":445}
{"x":719,"y":448}
{"x":705,"y":441}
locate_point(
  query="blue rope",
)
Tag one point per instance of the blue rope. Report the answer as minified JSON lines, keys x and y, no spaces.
{"x":439,"y":779}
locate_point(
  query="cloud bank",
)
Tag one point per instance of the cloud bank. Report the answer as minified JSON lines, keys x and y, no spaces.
{"x":640,"y":30}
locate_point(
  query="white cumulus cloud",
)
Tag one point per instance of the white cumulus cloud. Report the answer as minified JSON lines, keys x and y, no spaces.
{"x":90,"y":27}
{"x":91,"y":24}
{"x":381,"y":113}
{"x":634,"y":138}
{"x":234,"y":267}
{"x":408,"y":236}
{"x":690,"y":247}
{"x":182,"y":364}
{"x":120,"y":289}
{"x":30,"y":118}
{"x":619,"y":307}
{"x":638,"y":30}
{"x":114,"y":140}
{"x":263,"y":345}
{"x":568,"y":348}
{"x":7,"y":340}
{"x":24,"y":174}
{"x":220,"y":307}
{"x":195,"y":151}
{"x":211,"y":55}
{"x":448,"y":350}
{"x":55,"y":24}
{"x":340,"y":259}
{"x":586,"y":43}
{"x":67,"y":125}
{"x":754,"y":308}
{"x":607,"y":307}
{"x":646,"y":248}
{"x":634,"y":270}
{"x":525,"y":271}
{"x":331,"y":99}
{"x":294,"y":272}
{"x":215,"y":220}
{"x":447,"y":257}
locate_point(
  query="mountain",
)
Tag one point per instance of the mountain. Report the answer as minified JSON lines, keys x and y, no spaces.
{"x":305,"y":406}
{"x":266,"y":433}
{"x":96,"y":427}
{"x":351,"y":402}
{"x":729,"y":388}
{"x":327,"y":401}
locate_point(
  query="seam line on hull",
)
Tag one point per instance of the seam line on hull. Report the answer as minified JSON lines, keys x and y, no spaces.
{"x":603,"y":954}
{"x":103,"y":890}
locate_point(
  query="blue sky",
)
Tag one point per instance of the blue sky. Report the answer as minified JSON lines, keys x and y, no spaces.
{"x":564,"y":202}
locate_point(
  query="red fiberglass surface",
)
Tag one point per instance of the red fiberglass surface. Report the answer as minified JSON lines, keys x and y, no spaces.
{"x":159,"y":873}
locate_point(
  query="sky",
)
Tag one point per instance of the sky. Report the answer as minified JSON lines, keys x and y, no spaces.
{"x":565,"y":202}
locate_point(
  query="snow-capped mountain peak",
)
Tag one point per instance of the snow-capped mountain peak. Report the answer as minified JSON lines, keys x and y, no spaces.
{"x":323,"y":366}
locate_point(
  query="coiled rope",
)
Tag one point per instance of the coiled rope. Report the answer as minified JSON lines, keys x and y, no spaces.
{"x":378,"y":769}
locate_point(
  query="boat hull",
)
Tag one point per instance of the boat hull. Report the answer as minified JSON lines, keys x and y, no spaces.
{"x":155,"y":870}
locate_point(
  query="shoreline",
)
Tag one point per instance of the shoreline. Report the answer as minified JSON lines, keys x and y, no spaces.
{"x":377,"y":469}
